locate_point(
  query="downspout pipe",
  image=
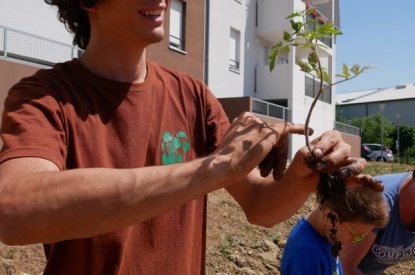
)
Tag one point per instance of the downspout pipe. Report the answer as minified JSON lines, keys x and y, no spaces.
{"x":206,"y":61}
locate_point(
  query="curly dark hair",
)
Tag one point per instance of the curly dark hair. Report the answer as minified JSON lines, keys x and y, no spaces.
{"x":75,"y":18}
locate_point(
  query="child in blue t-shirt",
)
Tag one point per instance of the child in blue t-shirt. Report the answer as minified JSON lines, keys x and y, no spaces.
{"x":314,"y":243}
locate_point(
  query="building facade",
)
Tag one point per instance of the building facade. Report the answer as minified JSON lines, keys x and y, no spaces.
{"x":224,"y":42}
{"x":395,"y":103}
{"x":241,"y":36}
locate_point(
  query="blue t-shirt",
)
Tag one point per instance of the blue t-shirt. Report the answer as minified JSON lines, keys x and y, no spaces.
{"x":394,"y":243}
{"x":307,"y":252}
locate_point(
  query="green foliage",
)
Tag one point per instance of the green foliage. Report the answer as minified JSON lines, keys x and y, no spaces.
{"x":305,"y":37}
{"x":375,"y":169}
{"x":409,"y":155}
{"x":349,"y":73}
{"x":371,"y":129}
{"x":406,"y":137}
{"x":225,"y":247}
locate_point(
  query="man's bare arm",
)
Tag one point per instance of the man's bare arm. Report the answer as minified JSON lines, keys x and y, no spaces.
{"x":267,"y":202}
{"x":39,"y":203}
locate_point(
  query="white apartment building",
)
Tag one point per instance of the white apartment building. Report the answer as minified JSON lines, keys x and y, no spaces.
{"x":241,"y":34}
{"x":238,"y":38}
{"x":34,"y":17}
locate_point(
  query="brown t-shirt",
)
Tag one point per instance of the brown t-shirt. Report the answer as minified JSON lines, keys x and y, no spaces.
{"x":77,"y":119}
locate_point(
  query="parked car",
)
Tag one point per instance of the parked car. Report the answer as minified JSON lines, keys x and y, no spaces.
{"x":377,"y":152}
{"x":366,"y":152}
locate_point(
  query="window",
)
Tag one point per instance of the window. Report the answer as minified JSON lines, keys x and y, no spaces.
{"x":312,"y":86}
{"x":177,"y":24}
{"x":234,"y":50}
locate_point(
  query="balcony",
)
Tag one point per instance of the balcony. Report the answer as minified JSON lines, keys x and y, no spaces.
{"x":275,"y":84}
{"x":270,"y":112}
{"x":28,"y":48}
{"x":271,"y":22}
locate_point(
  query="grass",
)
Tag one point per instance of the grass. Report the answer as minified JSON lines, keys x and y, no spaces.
{"x":225,"y":245}
{"x":379,"y":168}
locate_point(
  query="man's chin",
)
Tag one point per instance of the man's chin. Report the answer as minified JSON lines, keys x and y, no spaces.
{"x":156,"y":38}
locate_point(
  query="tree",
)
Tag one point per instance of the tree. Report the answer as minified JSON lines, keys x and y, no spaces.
{"x":406,"y":139}
{"x":372,"y":127}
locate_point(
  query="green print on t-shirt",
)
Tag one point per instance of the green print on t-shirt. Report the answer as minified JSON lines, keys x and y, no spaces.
{"x":174,"y":148}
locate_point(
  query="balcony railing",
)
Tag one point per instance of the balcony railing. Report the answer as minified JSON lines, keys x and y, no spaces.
{"x":269,"y":109}
{"x":346,"y":128}
{"x":26,"y":47}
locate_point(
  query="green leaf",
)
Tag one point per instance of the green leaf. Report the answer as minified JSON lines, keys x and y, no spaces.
{"x":304,"y":66}
{"x":296,"y":26}
{"x":355,"y":69}
{"x":271,"y":60}
{"x":328,"y":28}
{"x":310,"y":21}
{"x":287,"y":36}
{"x":285,"y":49}
{"x":312,"y":60}
{"x":326,"y":77}
{"x":346,"y":73}
{"x":273,"y":57}
{"x":293,"y":15}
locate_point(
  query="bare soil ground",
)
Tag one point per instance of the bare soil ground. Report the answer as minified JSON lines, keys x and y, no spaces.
{"x":233,"y":245}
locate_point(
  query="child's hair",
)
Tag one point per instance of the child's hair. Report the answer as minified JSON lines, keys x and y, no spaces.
{"x":359,"y":204}
{"x":351,"y":204}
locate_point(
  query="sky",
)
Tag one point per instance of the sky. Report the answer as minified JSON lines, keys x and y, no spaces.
{"x":380,"y":34}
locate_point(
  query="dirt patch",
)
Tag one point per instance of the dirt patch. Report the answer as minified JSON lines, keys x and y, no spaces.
{"x":233,"y":245}
{"x":236,"y":247}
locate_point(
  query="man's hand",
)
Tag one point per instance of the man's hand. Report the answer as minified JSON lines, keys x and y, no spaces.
{"x":365,"y":181}
{"x":250,"y":141}
{"x":330,"y":154}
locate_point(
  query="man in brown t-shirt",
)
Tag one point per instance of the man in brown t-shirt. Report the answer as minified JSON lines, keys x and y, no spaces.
{"x":107,"y":158}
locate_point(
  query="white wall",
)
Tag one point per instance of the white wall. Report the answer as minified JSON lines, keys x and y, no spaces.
{"x":287,"y":81}
{"x":35,"y":17}
{"x":224,"y":15}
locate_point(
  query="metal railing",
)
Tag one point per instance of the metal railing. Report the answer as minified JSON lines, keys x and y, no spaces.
{"x":26,"y":47}
{"x":346,"y":128}
{"x":269,"y":109}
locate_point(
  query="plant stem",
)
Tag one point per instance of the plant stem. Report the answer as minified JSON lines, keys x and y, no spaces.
{"x":313,"y":104}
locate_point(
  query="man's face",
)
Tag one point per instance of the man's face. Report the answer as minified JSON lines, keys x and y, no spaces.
{"x":131,"y":21}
